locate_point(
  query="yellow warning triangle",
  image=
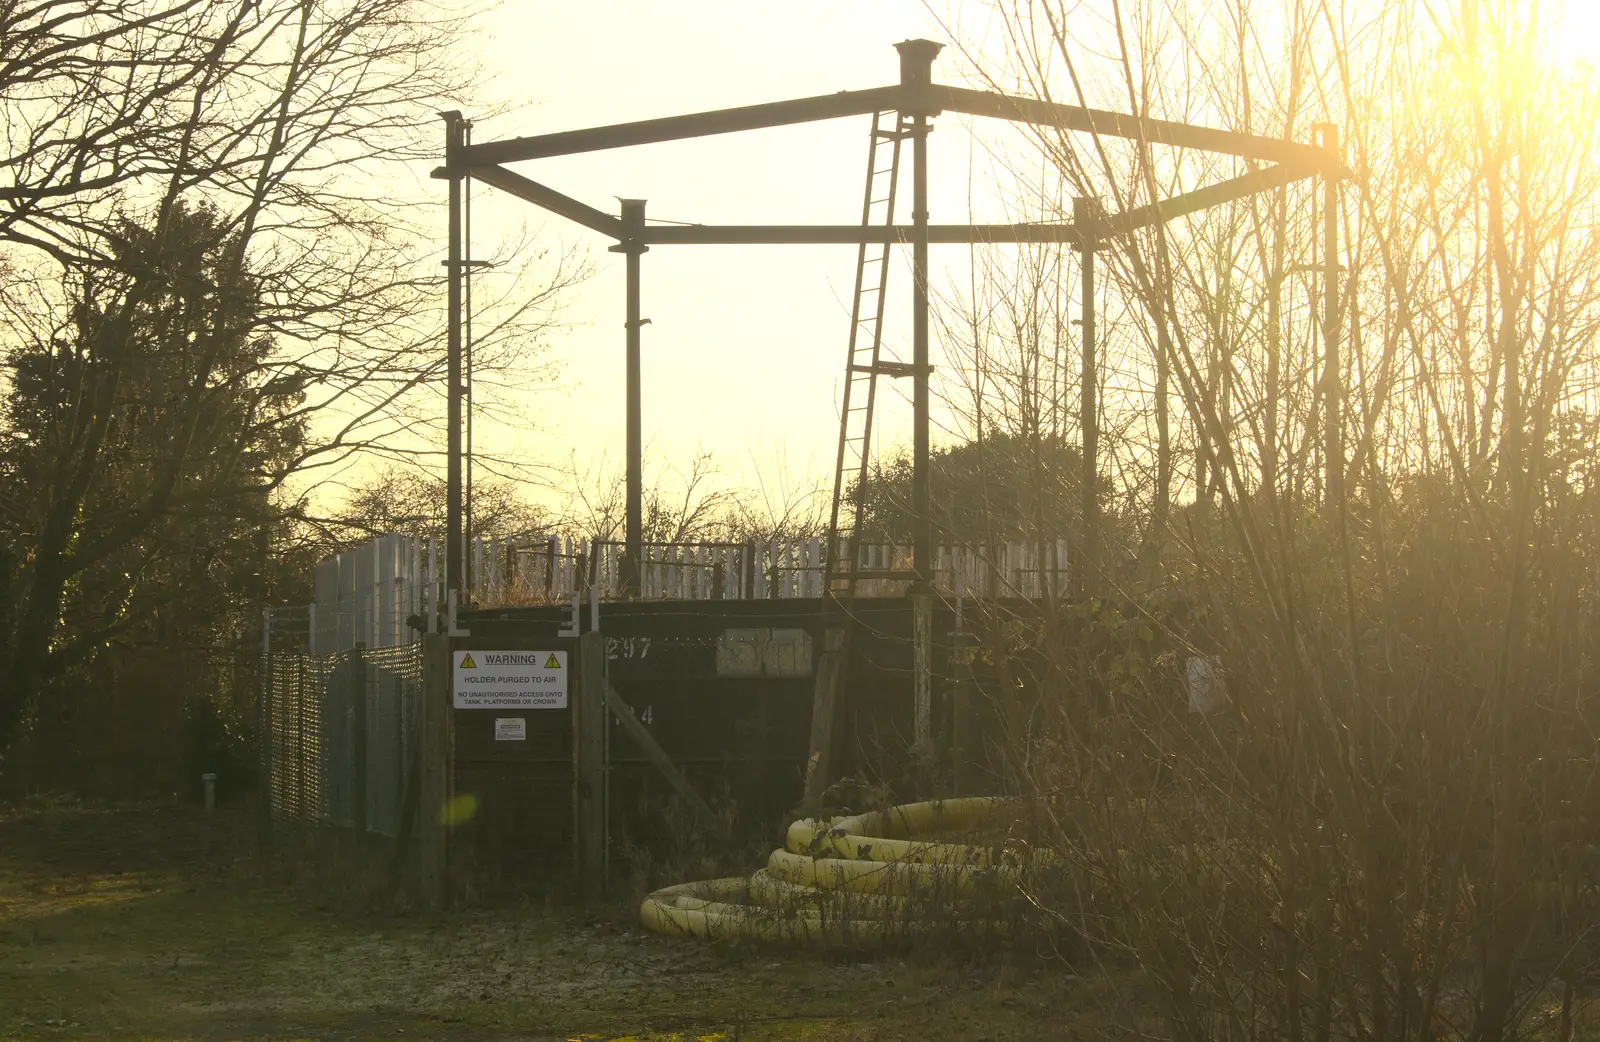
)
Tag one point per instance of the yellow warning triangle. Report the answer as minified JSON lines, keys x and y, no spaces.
{"x":467,"y":663}
{"x":552,"y":663}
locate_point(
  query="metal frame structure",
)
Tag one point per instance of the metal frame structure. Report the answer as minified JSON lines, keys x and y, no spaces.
{"x":920,"y":98}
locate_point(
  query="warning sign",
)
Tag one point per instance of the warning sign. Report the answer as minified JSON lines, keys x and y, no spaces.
{"x":510,"y":679}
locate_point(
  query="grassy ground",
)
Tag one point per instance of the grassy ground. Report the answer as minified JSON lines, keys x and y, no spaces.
{"x":154,"y":923}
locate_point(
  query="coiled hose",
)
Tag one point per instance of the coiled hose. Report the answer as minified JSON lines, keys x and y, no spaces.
{"x":860,"y":879}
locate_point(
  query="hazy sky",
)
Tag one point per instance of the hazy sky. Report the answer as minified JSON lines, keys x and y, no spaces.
{"x":745,"y":350}
{"x":744,"y":353}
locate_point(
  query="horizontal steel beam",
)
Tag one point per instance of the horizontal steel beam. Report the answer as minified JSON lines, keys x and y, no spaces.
{"x":674,"y":128}
{"x":853,"y":234}
{"x":552,"y":200}
{"x":879,"y":99}
{"x":1105,"y":228}
{"x":1117,"y":124}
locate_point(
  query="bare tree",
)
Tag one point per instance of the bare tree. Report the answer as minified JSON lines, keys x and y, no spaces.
{"x":679,"y":506}
{"x":1389,"y":556}
{"x":288,"y":121}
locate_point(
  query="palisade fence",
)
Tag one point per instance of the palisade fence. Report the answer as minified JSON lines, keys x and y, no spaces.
{"x":506,"y":573}
{"x":370,"y":596}
{"x":343,"y":674}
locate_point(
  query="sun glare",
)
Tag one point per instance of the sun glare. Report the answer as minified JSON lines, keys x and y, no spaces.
{"x":1578,"y":38}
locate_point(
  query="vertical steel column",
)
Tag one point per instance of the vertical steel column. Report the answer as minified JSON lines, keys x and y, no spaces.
{"x":1332,"y":378}
{"x":1083,"y":217}
{"x":454,"y":557}
{"x":469,"y":579}
{"x":916,"y":75}
{"x":921,"y":496}
{"x":434,"y":766}
{"x":589,"y":765}
{"x":633,"y":248}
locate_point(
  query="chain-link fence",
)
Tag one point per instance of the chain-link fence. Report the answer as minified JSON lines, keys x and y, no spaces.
{"x":340,"y":735}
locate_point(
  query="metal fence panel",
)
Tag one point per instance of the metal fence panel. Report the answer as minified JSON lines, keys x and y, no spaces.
{"x":341,"y":735}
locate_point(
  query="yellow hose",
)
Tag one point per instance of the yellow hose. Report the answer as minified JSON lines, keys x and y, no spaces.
{"x":887,"y":877}
{"x":857,"y":879}
{"x":889,"y":835}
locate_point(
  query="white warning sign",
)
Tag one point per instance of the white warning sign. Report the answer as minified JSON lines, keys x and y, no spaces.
{"x":510,"y":679}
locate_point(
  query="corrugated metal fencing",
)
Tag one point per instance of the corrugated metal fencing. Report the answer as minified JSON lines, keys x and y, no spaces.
{"x":340,"y":735}
{"x":364,"y":596}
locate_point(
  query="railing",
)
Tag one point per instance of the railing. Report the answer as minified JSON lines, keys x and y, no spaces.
{"x":507,"y":573}
{"x":367,"y":596}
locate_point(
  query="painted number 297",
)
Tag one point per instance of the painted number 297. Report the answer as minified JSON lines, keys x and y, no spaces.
{"x":627,"y":647}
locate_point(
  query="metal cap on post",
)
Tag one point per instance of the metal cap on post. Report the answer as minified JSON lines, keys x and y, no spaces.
{"x":916,"y":62}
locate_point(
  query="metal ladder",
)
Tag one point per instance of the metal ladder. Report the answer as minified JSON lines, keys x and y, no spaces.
{"x":864,"y":363}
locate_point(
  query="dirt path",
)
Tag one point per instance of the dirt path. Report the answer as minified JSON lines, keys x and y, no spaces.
{"x":155,"y":923}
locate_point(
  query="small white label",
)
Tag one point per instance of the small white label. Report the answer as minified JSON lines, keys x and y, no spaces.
{"x":510,"y":729}
{"x":510,"y":679}
{"x":1206,"y":684}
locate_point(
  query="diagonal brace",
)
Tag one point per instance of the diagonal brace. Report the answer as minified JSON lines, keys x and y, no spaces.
{"x":1119,"y":124}
{"x":1201,"y":199}
{"x":655,"y":754}
{"x":532,"y":191}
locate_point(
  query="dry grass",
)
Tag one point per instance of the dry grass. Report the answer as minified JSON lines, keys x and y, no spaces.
{"x":140,"y":922}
